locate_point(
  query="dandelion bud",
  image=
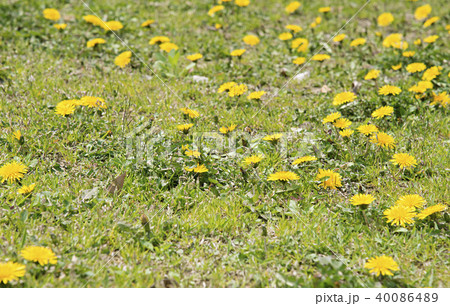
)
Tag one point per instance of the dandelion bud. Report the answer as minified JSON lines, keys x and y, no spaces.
{"x":145,"y":223}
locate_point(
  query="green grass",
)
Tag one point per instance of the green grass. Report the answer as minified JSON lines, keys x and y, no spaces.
{"x":230,"y":228}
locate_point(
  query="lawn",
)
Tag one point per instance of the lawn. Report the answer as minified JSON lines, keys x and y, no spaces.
{"x":129,"y":194}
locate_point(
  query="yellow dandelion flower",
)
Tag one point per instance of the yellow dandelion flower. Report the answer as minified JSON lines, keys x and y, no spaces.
{"x":431,"y":210}
{"x":430,"y":21}
{"x":404,"y":160}
{"x":325,"y":9}
{"x":251,"y":40}
{"x":227,"y":130}
{"x":294,"y":28}
{"x":442,"y":98}
{"x":26,"y":189}
{"x":10,"y":271}
{"x":418,"y":42}
{"x":17,"y":135}
{"x":416,"y":67}
{"x":300,"y":44}
{"x":383,"y":140}
{"x":93,"y":20}
{"x":65,"y":109}
{"x":237,"y":90}
{"x":422,"y":12}
{"x":184,"y":127}
{"x":60,"y":26}
{"x":256,"y":95}
{"x":237,"y":52}
{"x":253,"y":160}
{"x":123,"y":59}
{"x":193,"y":153}
{"x":111,"y":25}
{"x":190,"y":113}
{"x":411,"y":200}
{"x":331,"y":117}
{"x":357,"y":42}
{"x":339,"y":38}
{"x":168,"y":46}
{"x":400,"y":215}
{"x":147,"y":23}
{"x":367,"y":129}
{"x":346,"y":132}
{"x":431,"y":73}
{"x":13,"y":171}
{"x":385,"y":19}
{"x":285,"y":36}
{"x":417,"y":89}
{"x":392,"y":39}
{"x":274,"y":138}
{"x":396,"y":67}
{"x":96,"y":41}
{"x":194,"y":57}
{"x":159,"y":40}
{"x":389,"y":90}
{"x":73,"y":102}
{"x":92,"y":102}
{"x":197,"y":169}
{"x":431,"y":39}
{"x":344,"y":97}
{"x":242,"y":3}
{"x":304,"y":159}
{"x":39,"y":254}
{"x":372,"y":74}
{"x":342,"y":123}
{"x":284,"y":176}
{"x":215,"y":9}
{"x":51,"y":14}
{"x":226,"y":86}
{"x":320,"y":57}
{"x":409,"y":53}
{"x":292,"y":7}
{"x":400,"y":45}
{"x":421,"y":87}
{"x":425,"y":84}
{"x":299,"y":60}
{"x":362,"y":199}
{"x":381,"y":264}
{"x":329,"y":178}
{"x":383,"y":111}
